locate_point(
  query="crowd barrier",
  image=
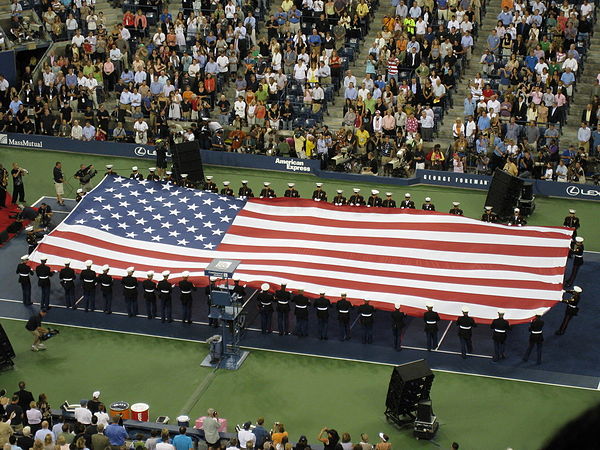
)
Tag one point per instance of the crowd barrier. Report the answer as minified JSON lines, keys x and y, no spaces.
{"x":304,"y":166}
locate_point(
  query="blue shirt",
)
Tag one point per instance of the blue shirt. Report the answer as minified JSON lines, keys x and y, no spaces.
{"x":531,"y":61}
{"x":469,"y":106}
{"x":493,"y":42}
{"x":483,"y":123}
{"x":294,"y":15}
{"x":505,"y":17}
{"x":261,"y":436}
{"x":127,"y":76}
{"x":14,"y":106}
{"x":116,"y":434}
{"x":182,"y":442}
{"x":568,"y":78}
{"x":351,"y":93}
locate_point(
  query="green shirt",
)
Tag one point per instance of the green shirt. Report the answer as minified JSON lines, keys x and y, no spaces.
{"x":370,"y":104}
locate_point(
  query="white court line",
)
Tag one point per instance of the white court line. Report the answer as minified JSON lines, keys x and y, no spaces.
{"x":38,"y":200}
{"x":443,"y":336}
{"x":337,"y":358}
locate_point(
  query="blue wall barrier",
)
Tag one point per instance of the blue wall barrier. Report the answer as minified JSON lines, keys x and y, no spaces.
{"x":306,"y":166}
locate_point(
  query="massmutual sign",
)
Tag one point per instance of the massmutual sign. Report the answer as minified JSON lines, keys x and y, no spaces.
{"x":32,"y":142}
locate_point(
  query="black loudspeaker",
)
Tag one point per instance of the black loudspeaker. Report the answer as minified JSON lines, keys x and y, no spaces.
{"x":409,"y":385}
{"x":6,"y":350}
{"x":504,"y":193}
{"x":186,"y":159}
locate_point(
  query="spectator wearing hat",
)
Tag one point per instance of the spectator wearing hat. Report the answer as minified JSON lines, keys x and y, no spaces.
{"x":265,"y":308}
{"x":571,"y":310}
{"x":465,"y":332}
{"x":576,"y":253}
{"x":67,"y":280}
{"x":165,"y":290}
{"x":94,"y":404}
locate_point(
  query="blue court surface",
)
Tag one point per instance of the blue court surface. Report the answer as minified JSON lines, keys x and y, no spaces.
{"x":569,"y":360}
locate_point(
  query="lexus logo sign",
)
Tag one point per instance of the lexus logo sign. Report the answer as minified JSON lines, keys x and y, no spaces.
{"x":574,"y":191}
{"x":571,"y":190}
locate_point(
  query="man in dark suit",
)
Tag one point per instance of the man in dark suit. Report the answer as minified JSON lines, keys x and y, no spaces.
{"x":412,"y":59}
{"x":588,"y":115}
{"x":555,"y":114}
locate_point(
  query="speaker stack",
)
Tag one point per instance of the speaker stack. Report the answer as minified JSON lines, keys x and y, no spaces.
{"x":527,"y":200}
{"x":504,"y":193}
{"x":186,"y":159}
{"x":7,"y":352}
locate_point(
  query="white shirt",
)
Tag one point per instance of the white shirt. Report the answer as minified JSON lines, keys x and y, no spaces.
{"x":115,"y":54}
{"x":125,"y":98}
{"x":103,"y":418}
{"x":223,"y":63}
{"x":77,"y":40}
{"x":140,"y":77}
{"x":158,"y":39}
{"x":140,"y":127}
{"x":240,"y":108}
{"x":245,"y":436}
{"x":136,"y":99}
{"x":299,"y":71}
{"x":125,"y":34}
{"x":77,"y":133}
{"x":377,"y":123}
{"x":82,"y":415}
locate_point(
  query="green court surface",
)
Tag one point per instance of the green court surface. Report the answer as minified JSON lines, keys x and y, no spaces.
{"x":305,"y":393}
{"x":39,"y":182}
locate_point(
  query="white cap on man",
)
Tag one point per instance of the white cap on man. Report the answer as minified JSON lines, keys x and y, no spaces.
{"x":226,"y":183}
{"x":25,"y":258}
{"x":166,"y":273}
{"x":579,"y":239}
{"x":88,"y":263}
{"x":265,"y":286}
{"x":291,"y":185}
{"x":374,"y":192}
{"x":109,"y":166}
{"x":356,"y":190}
{"x":134,"y":168}
{"x":150,"y":273}
{"x":319,"y":184}
{"x":105,"y":268}
{"x":66,"y":262}
{"x":427,"y":199}
{"x":130,"y":270}
{"x":185,"y":274}
{"x":577,"y":289}
{"x":465,"y":309}
{"x":209,"y":177}
{"x":455,"y":203}
{"x":407,"y":195}
{"x":572,"y":211}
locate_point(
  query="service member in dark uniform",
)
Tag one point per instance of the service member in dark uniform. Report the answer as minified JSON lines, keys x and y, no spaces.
{"x":212,"y":285}
{"x":165,"y":290}
{"x":169,"y":178}
{"x":110,"y":171}
{"x":238,"y":290}
{"x":456,"y":211}
{"x":44,"y":273}
{"x":244,"y":191}
{"x":184,"y":181}
{"x":398,"y":326}
{"x":489,"y":215}
{"x":322,"y":305}
{"x":571,"y":310}
{"x":265,"y":307}
{"x":152,"y":176}
{"x":210,"y":185}
{"x":572,"y":221}
{"x":428,"y":206}
{"x":343,"y":307}
{"x":79,"y":194}
{"x":366,"y":314}
{"x":339,"y":199}
{"x":374,"y":201}
{"x":577,"y":254}
{"x":106,"y":287}
{"x":301,"y":313}
{"x":516,"y":220}
{"x":407,"y":203}
{"x":356,"y":199}
{"x":135,"y":174}
{"x":283,"y":298}
{"x":536,"y":338}
{"x":130,"y":286}
{"x":500,"y":328}
{"x":389,"y":202}
{"x":319,"y":195}
{"x":227,"y":189}
{"x":465,"y":332}
{"x":431,"y":319}
{"x":149,"y":287}
{"x":88,"y":283}
{"x":291,"y":191}
{"x":24,"y":272}
{"x":67,"y":280}
{"x":185,"y":290}
{"x":267,"y":191}
{"x":31,"y":238}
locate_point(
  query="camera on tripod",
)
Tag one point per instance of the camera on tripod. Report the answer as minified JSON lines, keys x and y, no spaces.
{"x":88,"y":176}
{"x":49,"y":334}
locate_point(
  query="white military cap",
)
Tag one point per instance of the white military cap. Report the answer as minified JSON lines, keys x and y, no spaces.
{"x":374,"y":191}
{"x":429,"y":305}
{"x":465,"y":309}
{"x":339,"y":191}
{"x":517,"y":210}
{"x":236,"y":278}
{"x":168,"y":172}
{"x":185,"y":274}
{"x":88,"y":263}
{"x":427,"y":199}
{"x":130,"y":269}
{"x":151,"y":169}
{"x":501,"y":312}
{"x":109,"y":166}
{"x":226,"y":183}
{"x":407,"y":195}
{"x":266,"y":183}
{"x":388,"y":194}
{"x":488,"y":208}
{"x":150,"y":273}
{"x":319,"y":184}
{"x":96,"y":394}
{"x":44,"y":258}
{"x":67,"y":262}
{"x":291,"y":184}
{"x":577,"y":289}
{"x":243,"y":181}
{"x":357,"y":190}
{"x":25,"y":258}
{"x":134,"y":168}
{"x":455,"y":203}
{"x":79,"y":191}
{"x":105,"y":268}
{"x":579,"y":239}
{"x":572,"y":211}
{"x":209,"y":177}
{"x":29,"y":228}
{"x":184,"y":175}
{"x":265,"y":286}
{"x":166,"y":273}
{"x":397,"y":305}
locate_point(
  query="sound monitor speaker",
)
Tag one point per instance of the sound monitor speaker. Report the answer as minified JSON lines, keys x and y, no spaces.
{"x":410,"y":384}
{"x":5,"y":345}
{"x":504,"y":193}
{"x":186,"y":159}
{"x":527,"y":191}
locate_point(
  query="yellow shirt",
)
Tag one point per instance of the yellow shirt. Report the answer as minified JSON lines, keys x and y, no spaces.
{"x":362,"y":137}
{"x":362,"y":9}
{"x":286,"y":5}
{"x":310,"y":146}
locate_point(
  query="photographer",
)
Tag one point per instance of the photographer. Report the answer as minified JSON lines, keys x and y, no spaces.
{"x":18,"y":187}
{"x":211,"y":429}
{"x":85,"y":175}
{"x":34,"y":325}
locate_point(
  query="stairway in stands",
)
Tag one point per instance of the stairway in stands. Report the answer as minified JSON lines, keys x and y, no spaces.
{"x":336,"y":114}
{"x":112,"y":16}
{"x":488,"y":22}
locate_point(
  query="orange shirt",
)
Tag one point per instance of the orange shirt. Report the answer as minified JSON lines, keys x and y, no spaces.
{"x":210,"y":84}
{"x":510,"y":4}
{"x":278,"y":437}
{"x":187,"y":95}
{"x":260,"y":112}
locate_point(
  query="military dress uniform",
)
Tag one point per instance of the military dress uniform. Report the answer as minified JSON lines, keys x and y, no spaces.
{"x":283,"y":298}
{"x":245,"y":191}
{"x":67,"y":280}
{"x":456,"y":211}
{"x":536,"y":338}
{"x":165,"y":290}
{"x":227,"y":191}
{"x":572,"y":221}
{"x":571,"y":310}
{"x":185,"y":290}
{"x":24,"y":272}
{"x":265,"y":307}
{"x":152,"y":176}
{"x":517,"y":220}
{"x":210,"y":186}
{"x":44,"y":273}
{"x":577,"y":254}
{"x":319,"y":195}
{"x":130,"y":292}
{"x":500,"y":328}
{"x":428,"y":206}
{"x":267,"y":192}
{"x":322,"y":305}
{"x":431,"y":319}
{"x":106,"y":287}
{"x":135,"y":175}
{"x":489,"y":216}
{"x":149,"y":287}
{"x":339,"y":200}
{"x":301,"y":304}
{"x":366,"y":313}
{"x":389,"y":202}
{"x":374,"y":201}
{"x":32,"y":241}
{"x":407,"y":204}
{"x":88,"y":283}
{"x":465,"y":334}
{"x":343,"y":307}
{"x":397,"y":327}
{"x":291,"y":192}
{"x":356,"y":200}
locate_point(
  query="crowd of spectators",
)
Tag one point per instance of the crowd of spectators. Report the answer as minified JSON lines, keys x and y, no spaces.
{"x":516,"y":106}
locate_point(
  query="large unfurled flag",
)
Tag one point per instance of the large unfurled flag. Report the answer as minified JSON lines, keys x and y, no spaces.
{"x":388,"y":256}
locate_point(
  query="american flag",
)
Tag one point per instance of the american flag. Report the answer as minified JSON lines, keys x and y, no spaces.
{"x":388,"y":256}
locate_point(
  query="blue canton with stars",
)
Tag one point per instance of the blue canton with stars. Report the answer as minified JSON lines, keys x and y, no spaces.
{"x":157,"y":212}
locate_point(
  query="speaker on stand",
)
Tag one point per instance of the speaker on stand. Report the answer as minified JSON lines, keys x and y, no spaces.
{"x":504,"y":193}
{"x":527,"y":199}
{"x":187,"y":159}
